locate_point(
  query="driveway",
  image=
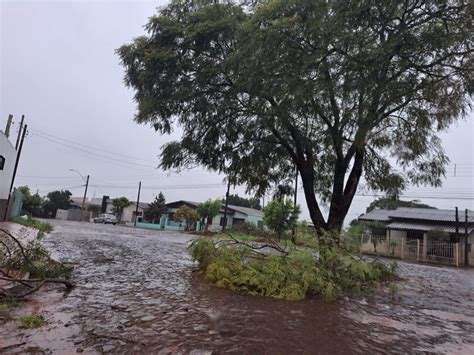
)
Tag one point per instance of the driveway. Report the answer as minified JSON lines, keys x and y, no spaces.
{"x":137,"y":292}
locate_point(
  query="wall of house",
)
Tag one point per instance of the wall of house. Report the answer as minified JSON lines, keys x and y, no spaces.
{"x":8,"y":151}
{"x":129,"y":213}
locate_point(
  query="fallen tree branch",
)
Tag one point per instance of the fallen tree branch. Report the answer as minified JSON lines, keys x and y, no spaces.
{"x":268,"y":244}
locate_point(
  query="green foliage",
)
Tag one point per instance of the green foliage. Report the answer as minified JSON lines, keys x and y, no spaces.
{"x":94,"y":208}
{"x":391,"y":203}
{"x":346,"y":91}
{"x":330,"y":272}
{"x":206,"y":211}
{"x":186,"y":214}
{"x":57,"y":200}
{"x":156,"y":208}
{"x":119,"y":204}
{"x":31,"y":322}
{"x":281,"y":216}
{"x":236,"y":200}
{"x":34,"y":223}
{"x":32,"y":204}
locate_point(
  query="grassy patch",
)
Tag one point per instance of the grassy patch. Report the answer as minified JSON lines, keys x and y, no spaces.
{"x":7,"y":304}
{"x":34,"y":223}
{"x":238,"y":236}
{"x":330,"y":271}
{"x":30,"y":322}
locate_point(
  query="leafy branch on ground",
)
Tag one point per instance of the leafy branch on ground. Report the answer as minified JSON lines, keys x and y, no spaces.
{"x":290,"y":273}
{"x":26,"y":267}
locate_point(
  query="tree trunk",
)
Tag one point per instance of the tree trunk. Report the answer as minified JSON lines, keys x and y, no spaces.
{"x":307,"y":178}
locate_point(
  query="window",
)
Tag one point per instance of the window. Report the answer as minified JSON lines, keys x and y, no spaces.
{"x":2,"y":162}
{"x":260,"y":224}
{"x":223,"y":221}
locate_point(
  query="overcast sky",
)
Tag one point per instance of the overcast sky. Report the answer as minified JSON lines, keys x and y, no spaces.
{"x":58,"y":67}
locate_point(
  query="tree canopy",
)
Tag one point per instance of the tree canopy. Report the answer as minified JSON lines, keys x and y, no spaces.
{"x":281,"y":216}
{"x":346,"y":91}
{"x":156,"y":208}
{"x":236,"y":200}
{"x":32,"y":204}
{"x":207,"y":210}
{"x":186,"y":214}
{"x":57,"y":200}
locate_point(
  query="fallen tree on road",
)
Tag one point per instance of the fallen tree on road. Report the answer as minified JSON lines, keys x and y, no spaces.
{"x":25,"y":267}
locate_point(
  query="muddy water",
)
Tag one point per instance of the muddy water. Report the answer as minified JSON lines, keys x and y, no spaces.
{"x":137,"y":292}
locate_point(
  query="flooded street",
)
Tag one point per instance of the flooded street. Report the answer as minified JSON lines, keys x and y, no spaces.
{"x":137,"y":292}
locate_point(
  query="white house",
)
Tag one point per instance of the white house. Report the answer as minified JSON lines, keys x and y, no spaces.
{"x":128,"y":214}
{"x":7,"y":165}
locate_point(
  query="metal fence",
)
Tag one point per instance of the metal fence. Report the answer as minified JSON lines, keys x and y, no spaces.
{"x":436,"y":251}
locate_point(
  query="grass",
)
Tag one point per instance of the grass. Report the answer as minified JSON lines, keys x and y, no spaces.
{"x":7,"y":304}
{"x":238,"y":236}
{"x":33,"y":223}
{"x":30,"y":322}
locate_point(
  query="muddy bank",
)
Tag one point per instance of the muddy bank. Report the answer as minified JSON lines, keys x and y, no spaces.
{"x":138,"y":292}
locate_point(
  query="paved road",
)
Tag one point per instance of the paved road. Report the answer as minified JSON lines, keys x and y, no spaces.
{"x":137,"y":292}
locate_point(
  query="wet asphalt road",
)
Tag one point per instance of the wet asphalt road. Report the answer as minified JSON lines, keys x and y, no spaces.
{"x":138,"y":292}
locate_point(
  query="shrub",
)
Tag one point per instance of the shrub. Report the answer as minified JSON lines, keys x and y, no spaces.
{"x":330,"y":272}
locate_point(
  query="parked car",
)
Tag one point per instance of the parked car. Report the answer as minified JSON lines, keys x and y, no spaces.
{"x":106,"y":218}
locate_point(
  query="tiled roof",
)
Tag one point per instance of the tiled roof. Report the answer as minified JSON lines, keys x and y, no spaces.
{"x":418,"y":226}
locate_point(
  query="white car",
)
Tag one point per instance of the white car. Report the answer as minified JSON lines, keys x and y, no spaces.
{"x":106,"y":218}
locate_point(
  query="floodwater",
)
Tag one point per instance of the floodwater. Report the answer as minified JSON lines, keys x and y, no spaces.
{"x":138,"y":292}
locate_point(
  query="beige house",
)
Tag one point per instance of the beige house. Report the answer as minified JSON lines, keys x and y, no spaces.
{"x":421,"y":234}
{"x":128,"y":214}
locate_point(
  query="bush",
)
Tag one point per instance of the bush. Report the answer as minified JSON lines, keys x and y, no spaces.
{"x":330,"y":272}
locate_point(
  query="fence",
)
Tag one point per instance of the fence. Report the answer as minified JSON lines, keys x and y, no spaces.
{"x":435,"y":251}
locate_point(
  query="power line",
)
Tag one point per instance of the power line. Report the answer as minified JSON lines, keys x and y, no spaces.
{"x":92,"y":153}
{"x":91,"y":147}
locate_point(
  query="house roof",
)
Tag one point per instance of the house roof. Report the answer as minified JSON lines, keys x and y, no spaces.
{"x":143,"y":205}
{"x":419,"y":214}
{"x":247,"y":210}
{"x":377,"y":215}
{"x":429,"y":214}
{"x":419,"y":226}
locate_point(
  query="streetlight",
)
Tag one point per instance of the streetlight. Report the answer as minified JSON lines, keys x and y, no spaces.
{"x":86,"y":180}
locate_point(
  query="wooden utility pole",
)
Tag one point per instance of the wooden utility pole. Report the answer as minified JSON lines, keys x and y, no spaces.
{"x":138,"y":202}
{"x":457,"y":224}
{"x":9,"y":123}
{"x":18,"y":155}
{"x":466,"y":237}
{"x":19,"y":131}
{"x":295,"y":198}
{"x":224,"y":222}
{"x":84,"y":198}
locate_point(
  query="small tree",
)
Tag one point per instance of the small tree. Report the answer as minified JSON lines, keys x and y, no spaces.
{"x":207,"y":211}
{"x":186,"y":214}
{"x":32,"y":204}
{"x":281,"y":216}
{"x":57,"y":200}
{"x":156,"y":208}
{"x":119,"y":204}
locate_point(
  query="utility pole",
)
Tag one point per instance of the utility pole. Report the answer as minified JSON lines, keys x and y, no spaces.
{"x":19,"y":131}
{"x":138,"y":202}
{"x":466,"y":236}
{"x":84,"y":198}
{"x":457,"y":224}
{"x":224,"y":222}
{"x":18,"y":155}
{"x":9,"y":123}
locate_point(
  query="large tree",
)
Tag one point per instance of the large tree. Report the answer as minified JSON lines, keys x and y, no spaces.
{"x":343,"y":90}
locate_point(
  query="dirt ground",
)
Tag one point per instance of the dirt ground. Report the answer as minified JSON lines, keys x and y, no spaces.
{"x":138,"y":292}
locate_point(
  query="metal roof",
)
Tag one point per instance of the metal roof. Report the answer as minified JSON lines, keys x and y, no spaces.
{"x":429,"y":214}
{"x":377,"y":215}
{"x":247,"y":210}
{"x":417,"y":226}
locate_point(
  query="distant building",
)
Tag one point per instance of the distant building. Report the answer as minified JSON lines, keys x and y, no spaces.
{"x":129,"y":213}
